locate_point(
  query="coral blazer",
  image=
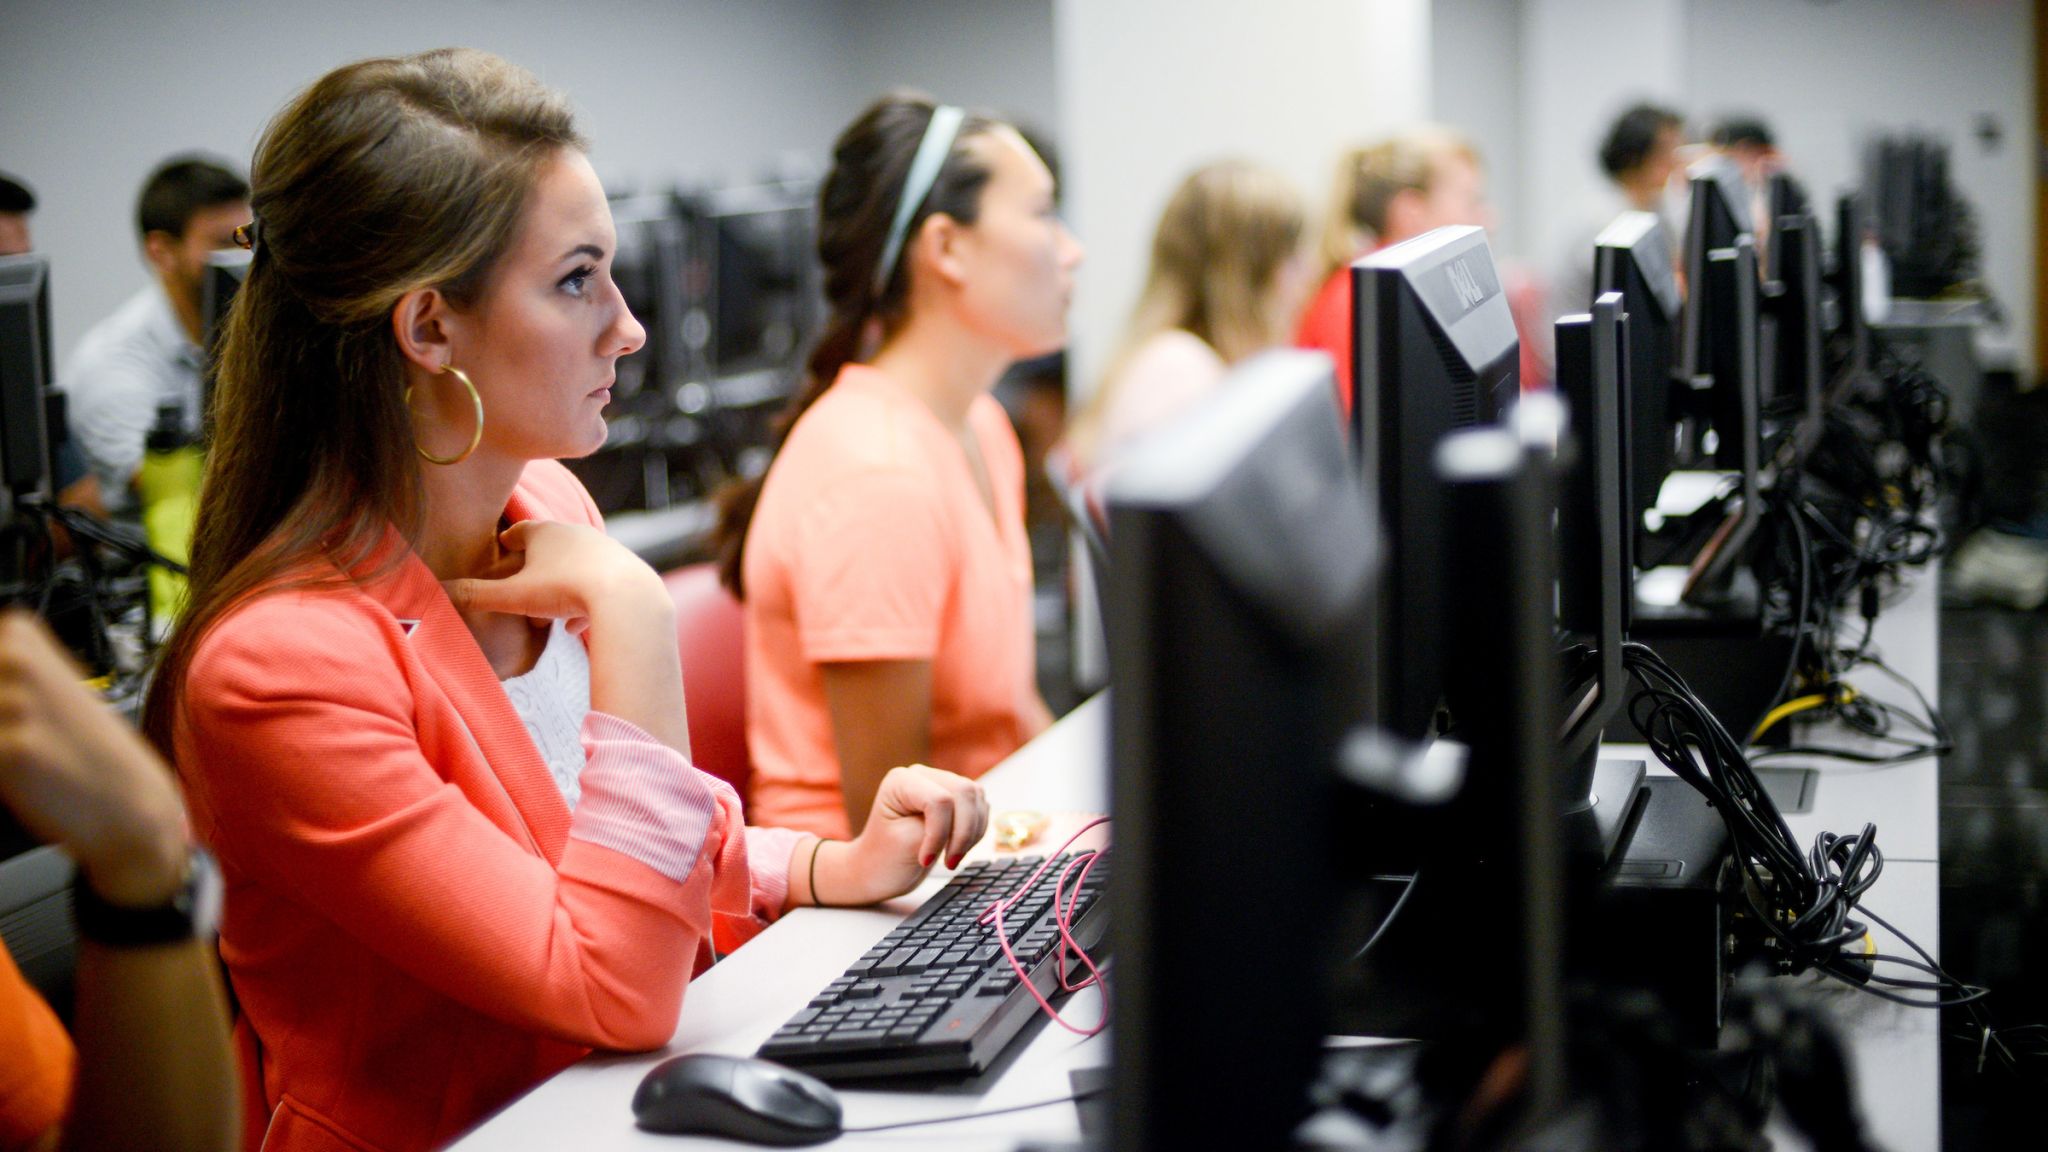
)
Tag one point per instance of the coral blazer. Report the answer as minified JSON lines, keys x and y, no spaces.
{"x":416,"y":927}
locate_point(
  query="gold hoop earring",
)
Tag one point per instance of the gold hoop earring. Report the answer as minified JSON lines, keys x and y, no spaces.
{"x":476,"y":399}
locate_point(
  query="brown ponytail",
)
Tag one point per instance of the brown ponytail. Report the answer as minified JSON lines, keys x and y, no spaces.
{"x":856,"y":204}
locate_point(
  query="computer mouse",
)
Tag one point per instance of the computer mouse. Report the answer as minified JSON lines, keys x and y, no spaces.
{"x":757,"y":1101}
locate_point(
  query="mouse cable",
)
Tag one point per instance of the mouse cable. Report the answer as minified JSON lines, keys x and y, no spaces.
{"x":1072,"y":1098}
{"x":1063,"y":908}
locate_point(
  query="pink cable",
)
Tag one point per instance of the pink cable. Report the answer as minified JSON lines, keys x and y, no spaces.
{"x":1061,"y":916}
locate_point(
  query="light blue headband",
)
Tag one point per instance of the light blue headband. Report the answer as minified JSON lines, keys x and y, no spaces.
{"x":924,"y":170}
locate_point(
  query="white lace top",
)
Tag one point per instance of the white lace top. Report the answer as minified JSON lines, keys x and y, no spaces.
{"x":552,"y":698}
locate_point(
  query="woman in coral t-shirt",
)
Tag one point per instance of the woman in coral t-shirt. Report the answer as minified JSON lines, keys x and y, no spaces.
{"x":883,"y":559}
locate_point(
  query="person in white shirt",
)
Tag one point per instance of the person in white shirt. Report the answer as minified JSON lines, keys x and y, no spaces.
{"x":1229,"y":273}
{"x":147,"y":352}
{"x":1640,"y":157}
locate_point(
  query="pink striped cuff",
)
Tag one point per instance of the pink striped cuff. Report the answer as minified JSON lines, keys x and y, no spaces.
{"x":642,"y":797}
{"x":768,"y":852}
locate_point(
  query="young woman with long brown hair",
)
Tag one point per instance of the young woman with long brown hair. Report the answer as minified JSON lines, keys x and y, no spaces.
{"x":883,"y":559}
{"x":427,"y":715}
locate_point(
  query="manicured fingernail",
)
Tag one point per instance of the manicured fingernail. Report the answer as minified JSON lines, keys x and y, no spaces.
{"x":953,"y":862}
{"x":925,"y":861}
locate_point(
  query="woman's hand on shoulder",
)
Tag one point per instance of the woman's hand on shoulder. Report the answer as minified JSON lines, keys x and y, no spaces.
{"x":558,"y":571}
{"x":920,"y":815}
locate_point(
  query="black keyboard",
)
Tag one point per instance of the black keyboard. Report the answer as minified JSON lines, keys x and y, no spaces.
{"x":936,"y":994}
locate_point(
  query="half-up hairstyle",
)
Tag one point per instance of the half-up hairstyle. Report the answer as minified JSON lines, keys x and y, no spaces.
{"x":385,"y":176}
{"x":856,"y":204}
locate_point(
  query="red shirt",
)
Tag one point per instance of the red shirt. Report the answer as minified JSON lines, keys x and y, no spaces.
{"x":1326,"y":326}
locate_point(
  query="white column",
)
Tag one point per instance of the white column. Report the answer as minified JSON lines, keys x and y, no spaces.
{"x":1149,"y":89}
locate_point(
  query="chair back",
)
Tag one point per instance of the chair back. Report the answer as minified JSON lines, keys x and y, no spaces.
{"x":711,"y":633}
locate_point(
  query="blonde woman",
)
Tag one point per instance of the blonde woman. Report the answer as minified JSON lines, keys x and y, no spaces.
{"x":1227,"y":276}
{"x":1386,"y":192}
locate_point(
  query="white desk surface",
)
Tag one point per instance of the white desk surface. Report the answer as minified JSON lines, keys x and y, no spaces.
{"x":733,"y":1007}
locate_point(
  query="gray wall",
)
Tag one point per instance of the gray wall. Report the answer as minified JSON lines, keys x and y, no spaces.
{"x":1475,"y":84}
{"x":996,"y":54}
{"x":93,"y":93}
{"x":1825,"y":75}
{"x":1150,"y":89}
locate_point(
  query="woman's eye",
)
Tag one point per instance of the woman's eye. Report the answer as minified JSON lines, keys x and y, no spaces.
{"x":577,"y":282}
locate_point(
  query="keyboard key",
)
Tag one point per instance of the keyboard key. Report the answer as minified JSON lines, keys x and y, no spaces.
{"x":864,"y":1036}
{"x":894,"y":964}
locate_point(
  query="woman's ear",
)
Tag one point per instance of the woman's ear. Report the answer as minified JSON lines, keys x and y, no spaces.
{"x":941,"y":247}
{"x":419,"y":321}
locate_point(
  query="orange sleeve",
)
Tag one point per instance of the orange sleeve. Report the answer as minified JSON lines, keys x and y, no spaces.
{"x":36,"y":1061}
{"x":303,"y":751}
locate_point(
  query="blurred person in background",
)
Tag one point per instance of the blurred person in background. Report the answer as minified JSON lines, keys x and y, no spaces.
{"x":1639,"y":155}
{"x":1227,"y":279}
{"x":1413,"y":182}
{"x":147,"y":352}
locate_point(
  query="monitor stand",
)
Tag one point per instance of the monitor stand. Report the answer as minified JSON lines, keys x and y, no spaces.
{"x":1601,"y":814}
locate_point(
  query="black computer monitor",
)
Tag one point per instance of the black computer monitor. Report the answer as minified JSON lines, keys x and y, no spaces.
{"x":1796,"y":382}
{"x":1720,"y":215}
{"x":1849,"y":336}
{"x":1785,"y":196}
{"x":653,"y":248}
{"x":1632,"y":256}
{"x":1239,"y":602}
{"x":1727,"y":338}
{"x":1435,"y":350}
{"x":225,"y":272}
{"x":1596,"y":562}
{"x":1596,"y":566}
{"x":24,"y":374}
{"x":766,"y":295}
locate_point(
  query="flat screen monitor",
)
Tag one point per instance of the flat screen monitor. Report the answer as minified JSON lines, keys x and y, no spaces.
{"x":1718,"y":348}
{"x":1596,"y":562}
{"x":1849,"y":337}
{"x":649,"y":270}
{"x":1632,"y":256}
{"x":1239,"y":601}
{"x":24,"y":373}
{"x":225,"y":272}
{"x":766,"y":296}
{"x":1785,"y":196}
{"x":1797,"y":385}
{"x":1719,"y":213}
{"x":1435,"y":350}
{"x":1727,"y":294}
